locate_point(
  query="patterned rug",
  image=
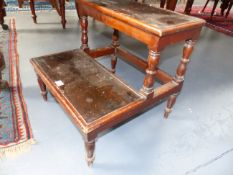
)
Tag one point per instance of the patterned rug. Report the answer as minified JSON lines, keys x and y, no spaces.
{"x":218,"y":22}
{"x":12,"y":6}
{"x":15,"y":131}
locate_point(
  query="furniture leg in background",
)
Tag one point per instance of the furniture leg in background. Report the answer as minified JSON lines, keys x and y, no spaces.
{"x":188,"y":7}
{"x":213,"y":9}
{"x":58,"y":5}
{"x":171,"y":4}
{"x":3,"y":83}
{"x":229,"y":8}
{"x":2,"y":15}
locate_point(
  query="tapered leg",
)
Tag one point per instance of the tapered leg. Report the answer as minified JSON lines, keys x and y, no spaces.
{"x":214,"y":7}
{"x":180,"y":73}
{"x":2,"y":15}
{"x":171,"y":5}
{"x":115,"y":44}
{"x":84,"y":39}
{"x":3,"y":83}
{"x":63,"y":15}
{"x":148,"y":85}
{"x":90,"y":150}
{"x":32,"y":7}
{"x":55,"y":5}
{"x":42,"y":88}
{"x":170,"y":103}
{"x":76,"y":5}
{"x":205,"y":6}
{"x":188,"y":7}
{"x":162,"y":3}
{"x":224,"y":5}
{"x":229,"y":9}
{"x":20,"y":3}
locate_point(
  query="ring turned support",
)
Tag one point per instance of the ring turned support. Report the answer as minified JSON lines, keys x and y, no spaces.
{"x":180,"y":73}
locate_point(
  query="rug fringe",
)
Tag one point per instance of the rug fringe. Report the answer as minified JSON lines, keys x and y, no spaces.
{"x":15,"y":150}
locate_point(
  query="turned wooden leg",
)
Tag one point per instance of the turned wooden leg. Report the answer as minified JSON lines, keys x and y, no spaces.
{"x":148,"y":85}
{"x":42,"y":88}
{"x":171,"y":5}
{"x":170,"y":103}
{"x":115,"y":44}
{"x":162,"y":3}
{"x":20,"y":3}
{"x":229,"y":9}
{"x":188,"y":7}
{"x":3,"y":83}
{"x":77,"y":10}
{"x":55,"y":5}
{"x":84,"y":39}
{"x":2,"y":15}
{"x":63,"y":14}
{"x":180,"y":73}
{"x":90,"y":150}
{"x":205,"y":6}
{"x":32,"y":7}
{"x":214,"y":7}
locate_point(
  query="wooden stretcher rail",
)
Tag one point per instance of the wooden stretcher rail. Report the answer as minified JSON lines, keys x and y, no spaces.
{"x":95,"y":53}
{"x":162,"y":76}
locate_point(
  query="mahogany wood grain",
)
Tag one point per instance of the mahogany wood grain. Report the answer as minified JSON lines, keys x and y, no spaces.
{"x":95,"y":99}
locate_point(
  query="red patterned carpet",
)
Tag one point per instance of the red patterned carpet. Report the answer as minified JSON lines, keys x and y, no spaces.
{"x":218,"y":22}
{"x":15,"y":130}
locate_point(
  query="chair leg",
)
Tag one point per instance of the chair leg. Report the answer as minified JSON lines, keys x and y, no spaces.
{"x":229,"y":9}
{"x":214,"y":7}
{"x":188,"y":7}
{"x":77,"y":10}
{"x":205,"y":6}
{"x":55,"y":5}
{"x":32,"y":7}
{"x":62,"y":10}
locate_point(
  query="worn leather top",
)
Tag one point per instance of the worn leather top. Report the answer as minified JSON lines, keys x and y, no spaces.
{"x":90,"y":89}
{"x":156,"y":18}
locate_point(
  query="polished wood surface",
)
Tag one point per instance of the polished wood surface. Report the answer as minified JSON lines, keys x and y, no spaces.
{"x":155,"y":20}
{"x":97,"y":100}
